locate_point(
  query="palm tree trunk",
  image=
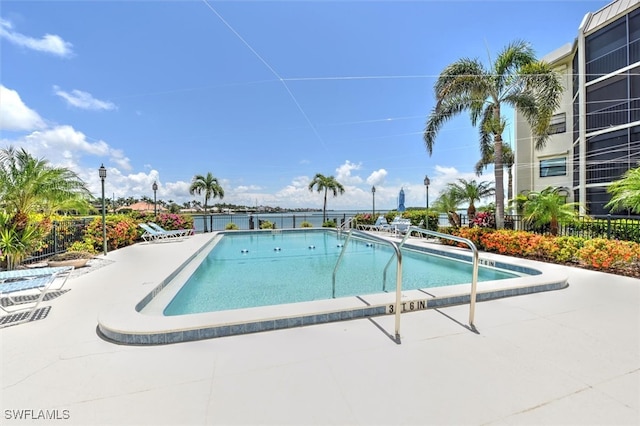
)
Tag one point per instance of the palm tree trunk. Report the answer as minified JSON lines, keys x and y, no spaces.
{"x":510,"y":183}
{"x":324,"y":207}
{"x":498,"y":171}
{"x":205,"y":215}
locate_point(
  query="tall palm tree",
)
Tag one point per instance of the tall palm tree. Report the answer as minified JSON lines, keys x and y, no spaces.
{"x":626,"y":192}
{"x":210,"y":186}
{"x":515,"y":79}
{"x":549,"y":206}
{"x":487,"y":158}
{"x":326,"y":184}
{"x":470,"y":192}
{"x":447,"y":202}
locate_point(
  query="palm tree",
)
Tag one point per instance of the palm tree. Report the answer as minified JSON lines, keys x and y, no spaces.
{"x":549,"y":206}
{"x":447,"y":202}
{"x":29,"y":185}
{"x":211,"y":188}
{"x":324,"y":183}
{"x":507,"y":161}
{"x":515,"y":79}
{"x":626,"y":192}
{"x":470,"y":192}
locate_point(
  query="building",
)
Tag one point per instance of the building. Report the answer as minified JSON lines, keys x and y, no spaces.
{"x":596,"y":131}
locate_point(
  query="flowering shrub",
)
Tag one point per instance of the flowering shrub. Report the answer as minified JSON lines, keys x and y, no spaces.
{"x":121,"y":231}
{"x":168,"y":221}
{"x":365,"y":219}
{"x":515,"y":243}
{"x":598,"y":253}
{"x":561,"y":249}
{"x":484,"y":220}
{"x":473,"y":234}
{"x":601,"y":253}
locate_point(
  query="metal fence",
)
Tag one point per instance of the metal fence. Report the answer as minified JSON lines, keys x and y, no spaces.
{"x":63,"y":234}
{"x":612,"y":227}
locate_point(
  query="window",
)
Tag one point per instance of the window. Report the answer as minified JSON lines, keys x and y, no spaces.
{"x":553,"y":167}
{"x":558,"y":123}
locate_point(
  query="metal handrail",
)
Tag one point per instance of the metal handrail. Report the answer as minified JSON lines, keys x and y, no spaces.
{"x":398,"y":254}
{"x":474,"y":276}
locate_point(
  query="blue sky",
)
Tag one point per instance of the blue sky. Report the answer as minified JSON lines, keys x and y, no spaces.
{"x":263,"y":94}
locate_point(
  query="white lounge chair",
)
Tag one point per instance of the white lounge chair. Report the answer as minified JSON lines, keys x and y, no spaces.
{"x":150,"y":234}
{"x":22,"y":291}
{"x":171,"y":232}
{"x":381,"y":224}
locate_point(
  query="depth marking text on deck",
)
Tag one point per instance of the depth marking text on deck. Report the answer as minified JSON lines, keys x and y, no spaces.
{"x":414,"y":305}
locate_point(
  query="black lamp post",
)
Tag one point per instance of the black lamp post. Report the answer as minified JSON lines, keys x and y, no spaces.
{"x":373,"y":193}
{"x":426,"y":184}
{"x":102,"y":172}
{"x":155,"y":204}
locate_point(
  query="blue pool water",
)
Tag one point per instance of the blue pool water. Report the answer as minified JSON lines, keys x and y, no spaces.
{"x":263,"y":268}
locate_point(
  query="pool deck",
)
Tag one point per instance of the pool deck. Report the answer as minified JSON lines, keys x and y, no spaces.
{"x":570,"y":356}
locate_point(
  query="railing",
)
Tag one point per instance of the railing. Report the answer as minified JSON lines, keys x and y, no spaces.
{"x":610,"y":226}
{"x":474,"y":273}
{"x":63,"y":233}
{"x":398,"y":254}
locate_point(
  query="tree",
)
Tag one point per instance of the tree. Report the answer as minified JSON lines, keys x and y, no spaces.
{"x":515,"y":79}
{"x":324,"y":183}
{"x":487,"y":158}
{"x":549,"y":206}
{"x":211,"y":188}
{"x":470,"y":192}
{"x":625,"y":193}
{"x":30,"y":185}
{"x":448,"y":203}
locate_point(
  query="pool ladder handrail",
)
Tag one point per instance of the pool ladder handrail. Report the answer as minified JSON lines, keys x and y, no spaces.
{"x":398,"y":255}
{"x":474,"y":274}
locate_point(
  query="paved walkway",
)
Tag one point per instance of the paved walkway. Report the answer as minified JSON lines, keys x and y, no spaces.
{"x":564,"y":357}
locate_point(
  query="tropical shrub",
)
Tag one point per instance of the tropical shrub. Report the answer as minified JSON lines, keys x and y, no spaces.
{"x":87,"y":245}
{"x":265,"y":224}
{"x":561,"y":249}
{"x":121,"y":231}
{"x":484,"y":220}
{"x":231,"y":226}
{"x":306,"y":224}
{"x":601,"y":253}
{"x":364,"y":219}
{"x":18,"y":240}
{"x":168,"y":221}
{"x":329,"y":224}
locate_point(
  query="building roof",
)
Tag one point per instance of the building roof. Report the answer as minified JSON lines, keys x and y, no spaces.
{"x":141,"y":206}
{"x":608,"y":13}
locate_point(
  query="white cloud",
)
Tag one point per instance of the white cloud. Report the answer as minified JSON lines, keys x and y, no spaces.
{"x":377,"y":177}
{"x":49,"y":43}
{"x":343,"y":173}
{"x":15,"y":115}
{"x":63,"y":145}
{"x":83,"y":100}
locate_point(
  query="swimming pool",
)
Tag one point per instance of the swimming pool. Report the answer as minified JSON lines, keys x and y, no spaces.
{"x":137,"y":316}
{"x":245,"y":270}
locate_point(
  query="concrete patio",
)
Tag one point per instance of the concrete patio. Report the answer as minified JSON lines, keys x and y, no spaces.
{"x":570,"y":356}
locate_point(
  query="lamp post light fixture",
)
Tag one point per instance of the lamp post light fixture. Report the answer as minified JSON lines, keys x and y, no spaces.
{"x":373,"y":193}
{"x":102,"y":172}
{"x":155,"y":204}
{"x":426,"y":184}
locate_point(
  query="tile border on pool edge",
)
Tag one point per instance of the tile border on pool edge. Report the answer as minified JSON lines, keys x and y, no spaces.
{"x":126,"y":325}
